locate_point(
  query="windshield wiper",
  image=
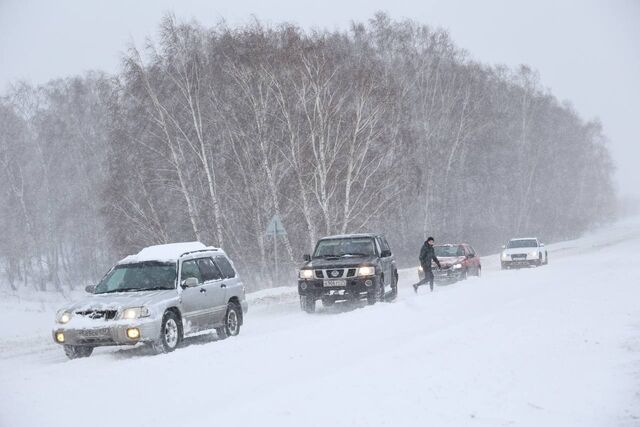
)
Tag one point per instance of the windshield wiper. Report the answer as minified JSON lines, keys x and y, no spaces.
{"x":353,"y":254}
{"x":122,"y":290}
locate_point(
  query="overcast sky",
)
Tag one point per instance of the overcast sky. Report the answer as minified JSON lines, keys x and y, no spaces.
{"x":587,"y":51}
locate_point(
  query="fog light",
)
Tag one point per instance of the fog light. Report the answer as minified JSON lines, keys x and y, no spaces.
{"x":368,"y":282}
{"x":133,"y":333}
{"x":59,"y":337}
{"x":303,"y":286}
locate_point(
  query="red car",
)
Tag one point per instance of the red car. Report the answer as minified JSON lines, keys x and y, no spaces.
{"x":457,"y":261}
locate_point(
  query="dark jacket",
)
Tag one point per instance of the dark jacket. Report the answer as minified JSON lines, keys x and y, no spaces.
{"x":428,"y":254}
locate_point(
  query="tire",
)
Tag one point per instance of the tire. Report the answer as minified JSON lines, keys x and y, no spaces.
{"x":539,"y":262}
{"x":546,"y":258}
{"x":465,"y":274}
{"x":170,"y":333}
{"x":394,"y":287}
{"x":77,"y":351}
{"x":479,"y":271}
{"x":308,"y":304}
{"x":381,"y":292}
{"x":232,"y":322}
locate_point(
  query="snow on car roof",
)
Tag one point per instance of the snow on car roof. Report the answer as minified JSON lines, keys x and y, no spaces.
{"x":168,"y":252}
{"x":349,"y":236}
{"x":525,"y":238}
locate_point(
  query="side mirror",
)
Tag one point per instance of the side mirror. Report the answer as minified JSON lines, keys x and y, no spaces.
{"x":306,"y":257}
{"x":504,"y":246}
{"x":91,"y":289}
{"x":190,"y":282}
{"x":542,"y":245}
{"x":470,"y":255}
{"x":385,"y":254}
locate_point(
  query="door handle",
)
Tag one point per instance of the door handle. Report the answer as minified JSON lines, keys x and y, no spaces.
{"x":203,"y":291}
{"x":223,"y":285}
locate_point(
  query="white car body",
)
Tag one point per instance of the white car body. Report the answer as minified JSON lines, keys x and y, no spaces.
{"x":99,"y":320}
{"x":523,"y":251}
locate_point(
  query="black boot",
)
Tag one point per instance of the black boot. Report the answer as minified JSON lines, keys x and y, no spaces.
{"x":415,"y":288}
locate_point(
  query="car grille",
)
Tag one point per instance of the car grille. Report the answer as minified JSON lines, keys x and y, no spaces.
{"x":335,"y":273}
{"x":518,"y":256}
{"x":98,"y":314}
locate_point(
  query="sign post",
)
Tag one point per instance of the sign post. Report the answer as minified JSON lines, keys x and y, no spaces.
{"x":275,"y":228}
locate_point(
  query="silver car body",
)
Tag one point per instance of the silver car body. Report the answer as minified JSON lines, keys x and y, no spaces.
{"x":97,"y":320}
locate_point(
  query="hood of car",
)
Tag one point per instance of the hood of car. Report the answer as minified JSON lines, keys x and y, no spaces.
{"x":121,"y":300}
{"x":450,"y":260}
{"x":343,"y":262}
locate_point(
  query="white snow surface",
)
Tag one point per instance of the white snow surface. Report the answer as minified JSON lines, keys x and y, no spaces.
{"x":557,"y":345}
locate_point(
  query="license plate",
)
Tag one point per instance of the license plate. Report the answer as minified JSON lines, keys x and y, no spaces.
{"x":334,"y":283}
{"x":94,"y":333}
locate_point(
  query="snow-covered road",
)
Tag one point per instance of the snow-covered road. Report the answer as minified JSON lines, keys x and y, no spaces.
{"x":552,"y":346}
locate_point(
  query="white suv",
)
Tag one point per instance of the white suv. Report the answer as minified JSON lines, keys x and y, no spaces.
{"x":520,"y":252}
{"x":158,"y":297}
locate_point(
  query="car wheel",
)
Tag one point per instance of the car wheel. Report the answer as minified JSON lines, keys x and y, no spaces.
{"x":77,"y":351}
{"x":546,"y":258}
{"x":170,"y":333}
{"x":308,"y":304}
{"x":231,"y":326}
{"x":381,"y":293}
{"x":394,"y":287}
{"x":539,"y":262}
{"x":479,"y":273}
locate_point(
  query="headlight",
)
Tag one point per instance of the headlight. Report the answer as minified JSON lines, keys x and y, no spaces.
{"x":63,"y":316}
{"x":134,"y":313}
{"x":505,"y":256}
{"x":533,"y":254}
{"x":457,"y":266}
{"x":366,"y":271}
{"x":306,"y":274}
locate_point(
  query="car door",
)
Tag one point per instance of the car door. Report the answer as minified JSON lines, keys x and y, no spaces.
{"x":195,"y":300}
{"x":474,"y":259}
{"x":386,"y":259}
{"x":233,"y":286}
{"x":215,"y":289}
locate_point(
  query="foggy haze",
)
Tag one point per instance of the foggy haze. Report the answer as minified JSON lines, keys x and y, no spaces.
{"x":587,"y":52}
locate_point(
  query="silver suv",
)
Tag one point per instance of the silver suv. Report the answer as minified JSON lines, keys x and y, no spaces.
{"x":157,"y":297}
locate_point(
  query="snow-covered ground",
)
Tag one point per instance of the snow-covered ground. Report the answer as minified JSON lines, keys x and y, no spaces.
{"x":552,"y":346}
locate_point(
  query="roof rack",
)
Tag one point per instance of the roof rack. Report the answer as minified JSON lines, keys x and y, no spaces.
{"x":208,"y":249}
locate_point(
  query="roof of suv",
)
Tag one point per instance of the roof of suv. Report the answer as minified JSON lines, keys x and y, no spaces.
{"x":169,"y":252}
{"x":348,"y":236}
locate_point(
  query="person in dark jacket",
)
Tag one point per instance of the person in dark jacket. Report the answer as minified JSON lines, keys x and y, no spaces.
{"x":427,"y":254}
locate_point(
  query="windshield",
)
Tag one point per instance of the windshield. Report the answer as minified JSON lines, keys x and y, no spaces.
{"x":141,"y":276}
{"x":357,"y":246}
{"x":523,"y":243}
{"x":448,"y":251}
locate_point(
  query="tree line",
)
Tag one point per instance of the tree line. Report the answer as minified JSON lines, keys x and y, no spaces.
{"x":207,"y":133}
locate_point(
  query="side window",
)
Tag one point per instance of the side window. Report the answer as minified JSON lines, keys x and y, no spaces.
{"x":190,"y":269}
{"x":208,"y":269}
{"x":461,"y":251}
{"x":225,"y":267}
{"x":384,"y":244}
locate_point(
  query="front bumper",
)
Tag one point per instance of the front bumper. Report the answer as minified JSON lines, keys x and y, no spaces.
{"x":108,"y":333}
{"x":355,"y":287}
{"x":443,"y":275}
{"x":519,"y":262}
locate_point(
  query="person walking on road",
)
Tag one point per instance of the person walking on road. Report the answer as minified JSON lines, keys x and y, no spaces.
{"x":427,"y":254}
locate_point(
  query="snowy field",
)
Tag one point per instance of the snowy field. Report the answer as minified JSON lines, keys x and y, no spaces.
{"x":552,"y":346}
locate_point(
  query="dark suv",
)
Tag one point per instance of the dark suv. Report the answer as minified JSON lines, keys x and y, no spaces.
{"x":348,"y":267}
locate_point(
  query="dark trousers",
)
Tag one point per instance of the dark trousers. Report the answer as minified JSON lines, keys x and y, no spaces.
{"x":428,"y":277}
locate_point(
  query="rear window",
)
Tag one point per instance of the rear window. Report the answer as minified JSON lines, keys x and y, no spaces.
{"x":225,"y":266}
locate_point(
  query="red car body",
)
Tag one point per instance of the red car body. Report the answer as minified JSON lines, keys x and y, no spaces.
{"x":458,"y":261}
